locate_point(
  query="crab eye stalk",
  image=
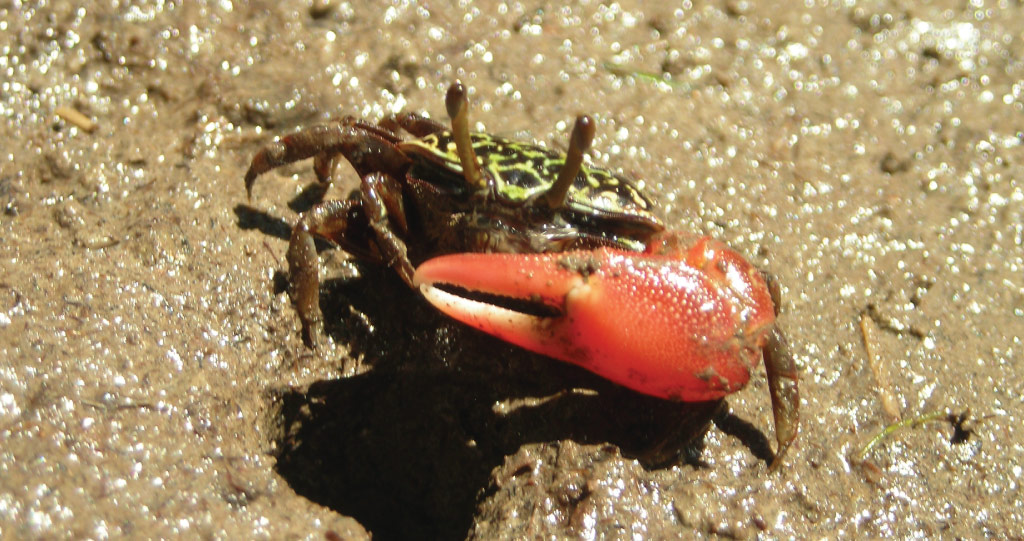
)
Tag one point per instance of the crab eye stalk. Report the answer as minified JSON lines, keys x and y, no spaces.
{"x":458,"y":109}
{"x":580,"y":140}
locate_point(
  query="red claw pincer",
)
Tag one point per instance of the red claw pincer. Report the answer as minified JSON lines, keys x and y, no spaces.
{"x":685,"y":320}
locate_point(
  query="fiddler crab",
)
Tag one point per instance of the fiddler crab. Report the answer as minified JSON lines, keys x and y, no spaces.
{"x":533,"y":246}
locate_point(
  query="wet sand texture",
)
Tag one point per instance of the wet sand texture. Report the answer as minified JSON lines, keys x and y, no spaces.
{"x":153,"y":382}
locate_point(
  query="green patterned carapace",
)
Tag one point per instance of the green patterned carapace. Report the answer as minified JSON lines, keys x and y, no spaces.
{"x":520,"y":172}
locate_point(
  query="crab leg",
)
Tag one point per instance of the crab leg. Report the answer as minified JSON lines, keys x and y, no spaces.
{"x":350,"y":138}
{"x":686,"y":320}
{"x":324,"y":220}
{"x":784,"y":390}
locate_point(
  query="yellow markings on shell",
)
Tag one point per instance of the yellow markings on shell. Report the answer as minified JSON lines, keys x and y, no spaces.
{"x":520,"y":171}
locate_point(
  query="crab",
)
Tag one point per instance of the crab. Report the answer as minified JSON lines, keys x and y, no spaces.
{"x":536,"y":247}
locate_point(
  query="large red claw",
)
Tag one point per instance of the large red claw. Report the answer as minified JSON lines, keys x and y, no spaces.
{"x":685,"y":321}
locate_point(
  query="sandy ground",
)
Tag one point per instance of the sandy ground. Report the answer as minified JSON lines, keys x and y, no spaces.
{"x":153,"y":381}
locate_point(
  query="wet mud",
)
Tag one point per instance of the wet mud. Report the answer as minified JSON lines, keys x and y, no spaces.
{"x":153,"y":377}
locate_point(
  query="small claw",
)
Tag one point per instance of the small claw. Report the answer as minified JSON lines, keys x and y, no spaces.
{"x":686,"y":322}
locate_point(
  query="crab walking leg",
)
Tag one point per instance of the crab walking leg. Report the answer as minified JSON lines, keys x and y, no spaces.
{"x":783,"y":381}
{"x":292,"y":148}
{"x":324,"y":165}
{"x":373,"y":146}
{"x":783,"y":385}
{"x":414,"y":123}
{"x":382,"y":198}
{"x":327,"y":220}
{"x":360,"y":227}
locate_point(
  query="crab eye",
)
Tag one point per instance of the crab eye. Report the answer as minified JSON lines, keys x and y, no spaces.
{"x":580,"y":140}
{"x":458,"y":109}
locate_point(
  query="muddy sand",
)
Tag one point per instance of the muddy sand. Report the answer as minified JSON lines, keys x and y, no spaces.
{"x":154,"y":383}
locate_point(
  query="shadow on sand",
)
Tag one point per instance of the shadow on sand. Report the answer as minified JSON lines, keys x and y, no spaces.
{"x":407,"y":448}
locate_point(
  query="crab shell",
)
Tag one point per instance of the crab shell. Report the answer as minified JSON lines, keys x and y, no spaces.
{"x":685,"y":320}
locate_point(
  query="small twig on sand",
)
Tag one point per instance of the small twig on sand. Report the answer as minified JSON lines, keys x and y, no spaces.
{"x":876,"y":362}
{"x":76,"y":118}
{"x":959,"y":421}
